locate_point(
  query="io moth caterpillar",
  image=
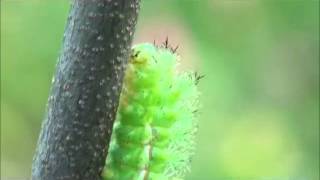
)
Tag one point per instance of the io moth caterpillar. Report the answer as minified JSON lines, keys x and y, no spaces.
{"x":153,"y":135}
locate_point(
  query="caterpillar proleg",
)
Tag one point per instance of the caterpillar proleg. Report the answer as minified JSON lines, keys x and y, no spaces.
{"x":153,"y":135}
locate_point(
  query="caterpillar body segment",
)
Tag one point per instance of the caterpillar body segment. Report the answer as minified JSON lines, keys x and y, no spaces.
{"x":153,"y":136}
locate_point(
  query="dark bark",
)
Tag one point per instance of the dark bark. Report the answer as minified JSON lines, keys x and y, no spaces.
{"x":81,"y":109}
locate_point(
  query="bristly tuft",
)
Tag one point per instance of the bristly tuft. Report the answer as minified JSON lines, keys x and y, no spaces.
{"x":166,"y":45}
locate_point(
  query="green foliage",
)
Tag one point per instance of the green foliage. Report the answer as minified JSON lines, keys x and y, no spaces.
{"x":153,"y":135}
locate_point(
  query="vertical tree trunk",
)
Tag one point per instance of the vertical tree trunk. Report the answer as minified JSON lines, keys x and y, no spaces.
{"x":74,"y":138}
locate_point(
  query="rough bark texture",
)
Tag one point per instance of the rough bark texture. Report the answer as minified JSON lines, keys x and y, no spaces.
{"x":74,"y":138}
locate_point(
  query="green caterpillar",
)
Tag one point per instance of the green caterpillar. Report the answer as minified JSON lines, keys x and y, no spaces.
{"x":153,"y":136}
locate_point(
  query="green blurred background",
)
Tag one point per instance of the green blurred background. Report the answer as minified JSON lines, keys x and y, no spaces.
{"x":260,"y":94}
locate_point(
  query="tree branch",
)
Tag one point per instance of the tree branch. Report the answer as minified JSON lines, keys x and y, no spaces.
{"x":75,"y":134}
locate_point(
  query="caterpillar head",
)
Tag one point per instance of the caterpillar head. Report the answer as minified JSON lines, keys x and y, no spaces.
{"x":143,"y":54}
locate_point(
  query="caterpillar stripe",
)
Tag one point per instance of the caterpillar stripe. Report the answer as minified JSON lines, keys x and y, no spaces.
{"x":153,"y":135}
